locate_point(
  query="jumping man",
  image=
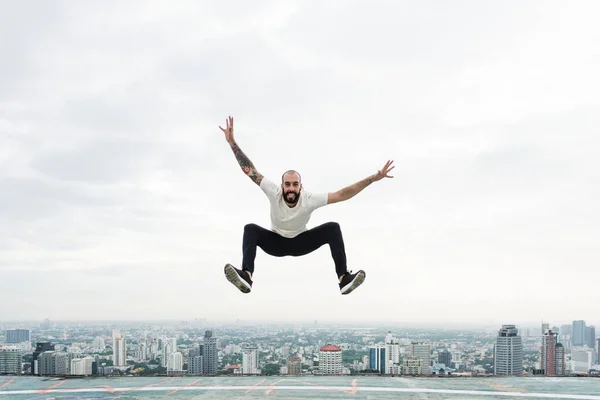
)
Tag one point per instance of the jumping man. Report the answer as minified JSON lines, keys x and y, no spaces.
{"x":291,"y":209}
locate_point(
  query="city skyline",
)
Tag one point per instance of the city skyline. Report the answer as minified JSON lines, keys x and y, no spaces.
{"x":122,"y":200}
{"x":268,"y":348}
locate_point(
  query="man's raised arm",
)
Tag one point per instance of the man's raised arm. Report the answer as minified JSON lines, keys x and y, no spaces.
{"x":242,"y":159}
{"x":352,"y":190}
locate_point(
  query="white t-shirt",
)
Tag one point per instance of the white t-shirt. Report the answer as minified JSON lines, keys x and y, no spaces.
{"x":290,"y":221}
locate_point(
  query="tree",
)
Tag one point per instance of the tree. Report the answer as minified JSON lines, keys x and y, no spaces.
{"x":348,"y":356}
{"x":271,"y":369}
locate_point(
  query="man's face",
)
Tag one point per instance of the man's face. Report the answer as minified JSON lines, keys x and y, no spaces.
{"x":291,"y":187}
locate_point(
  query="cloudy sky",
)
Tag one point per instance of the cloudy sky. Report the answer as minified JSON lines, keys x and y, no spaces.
{"x":120,"y":199}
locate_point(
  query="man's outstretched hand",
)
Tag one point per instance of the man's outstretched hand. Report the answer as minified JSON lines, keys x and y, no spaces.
{"x":228,"y":130}
{"x":383,"y":173}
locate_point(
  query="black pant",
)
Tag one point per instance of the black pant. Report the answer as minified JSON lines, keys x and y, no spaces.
{"x":306,"y":242}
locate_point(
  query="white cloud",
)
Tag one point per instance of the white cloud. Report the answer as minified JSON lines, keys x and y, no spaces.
{"x":116,"y":181}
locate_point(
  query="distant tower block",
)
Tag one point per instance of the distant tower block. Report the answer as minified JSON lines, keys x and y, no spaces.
{"x":508,"y":352}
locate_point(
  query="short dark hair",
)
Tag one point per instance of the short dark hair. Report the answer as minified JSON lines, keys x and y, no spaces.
{"x":291,"y":171}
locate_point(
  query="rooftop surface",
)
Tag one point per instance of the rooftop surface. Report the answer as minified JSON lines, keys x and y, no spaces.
{"x":301,"y":387}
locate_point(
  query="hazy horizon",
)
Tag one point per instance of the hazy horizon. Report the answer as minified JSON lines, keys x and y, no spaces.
{"x":122,"y":200}
{"x":371,"y":324}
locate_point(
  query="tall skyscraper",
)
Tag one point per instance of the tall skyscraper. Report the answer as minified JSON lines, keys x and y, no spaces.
{"x":210,"y":356}
{"x":17,"y":335}
{"x":508,"y":352}
{"x":548,"y":357}
{"x":559,"y":359}
{"x":598,"y":350}
{"x":168,"y":347}
{"x":119,"y":350}
{"x":578,"y":338}
{"x":590,"y":336}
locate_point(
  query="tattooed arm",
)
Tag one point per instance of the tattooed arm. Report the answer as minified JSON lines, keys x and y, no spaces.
{"x":349,"y":191}
{"x":242,"y":159}
{"x":245,"y":163}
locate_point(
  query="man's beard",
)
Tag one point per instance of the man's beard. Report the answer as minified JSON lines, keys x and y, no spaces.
{"x":291,"y":199}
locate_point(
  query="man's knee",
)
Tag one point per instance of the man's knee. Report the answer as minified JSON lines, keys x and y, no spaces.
{"x":332,"y":227}
{"x":250,"y":228}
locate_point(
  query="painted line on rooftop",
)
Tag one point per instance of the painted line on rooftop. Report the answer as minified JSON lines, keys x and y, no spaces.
{"x":188,"y":385}
{"x":44,"y":391}
{"x":256,"y":385}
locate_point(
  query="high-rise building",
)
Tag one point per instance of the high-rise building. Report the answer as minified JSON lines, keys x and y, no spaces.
{"x":53,"y":363}
{"x":330,"y":359}
{"x":82,"y":366}
{"x":40,"y":348}
{"x":195,"y":363}
{"x":392,"y":353}
{"x":565,"y":335}
{"x":508,"y":352}
{"x":46,"y":363}
{"x":566,"y":330}
{"x":17,"y":336}
{"x":175,"y":362}
{"x":423,"y":351}
{"x":548,"y":357}
{"x":168,"y":347}
{"x":119,"y":350}
{"x":582,"y":359}
{"x":98,"y":344}
{"x":559,"y":359}
{"x":294,"y":365}
{"x":598,"y":350}
{"x":210,"y":355}
{"x":377,"y":358}
{"x":62,"y":363}
{"x":578,"y":337}
{"x":142,"y":353}
{"x":412,"y":365}
{"x":456,"y":358}
{"x":445,"y":357}
{"x":250,"y":361}
{"x":590,"y":336}
{"x":11,"y":359}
